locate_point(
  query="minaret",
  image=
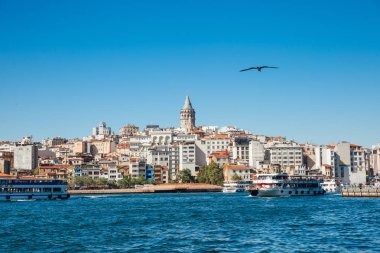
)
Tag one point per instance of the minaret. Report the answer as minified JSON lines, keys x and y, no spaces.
{"x":187,"y":116}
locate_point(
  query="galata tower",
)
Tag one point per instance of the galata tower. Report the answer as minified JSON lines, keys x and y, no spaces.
{"x":187,"y":116}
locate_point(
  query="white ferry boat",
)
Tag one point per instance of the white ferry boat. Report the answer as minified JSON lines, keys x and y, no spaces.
{"x":330,"y":186}
{"x":235,"y":186}
{"x":279,"y":185}
{"x":32,"y":189}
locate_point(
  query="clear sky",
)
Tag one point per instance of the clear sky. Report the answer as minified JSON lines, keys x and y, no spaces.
{"x":67,"y":65}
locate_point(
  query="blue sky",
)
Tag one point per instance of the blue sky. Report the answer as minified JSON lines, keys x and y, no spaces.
{"x":66,"y":65}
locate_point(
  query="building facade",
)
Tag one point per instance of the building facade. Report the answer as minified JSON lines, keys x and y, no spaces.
{"x":350,"y":163}
{"x":26,"y":157}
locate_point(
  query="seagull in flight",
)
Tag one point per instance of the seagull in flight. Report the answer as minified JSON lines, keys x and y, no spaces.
{"x":259,"y":68}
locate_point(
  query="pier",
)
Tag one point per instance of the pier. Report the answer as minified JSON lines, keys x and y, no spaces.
{"x":163,"y":188}
{"x":361,"y":192}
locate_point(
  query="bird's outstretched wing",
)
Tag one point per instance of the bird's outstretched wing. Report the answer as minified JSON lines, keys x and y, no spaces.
{"x":268,"y":67}
{"x":248,"y":69}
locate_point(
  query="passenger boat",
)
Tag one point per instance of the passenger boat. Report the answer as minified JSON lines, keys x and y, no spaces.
{"x":281,"y":184}
{"x":235,"y":186}
{"x":330,"y":186}
{"x":32,"y":189}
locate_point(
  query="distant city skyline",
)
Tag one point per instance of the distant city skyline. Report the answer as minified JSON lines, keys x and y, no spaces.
{"x":66,"y":66}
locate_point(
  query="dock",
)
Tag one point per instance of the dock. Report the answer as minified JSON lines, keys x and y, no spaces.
{"x":162,"y":188}
{"x":372,"y":192}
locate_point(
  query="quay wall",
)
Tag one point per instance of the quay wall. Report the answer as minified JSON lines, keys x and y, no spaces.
{"x":361,"y":192}
{"x":163,"y":188}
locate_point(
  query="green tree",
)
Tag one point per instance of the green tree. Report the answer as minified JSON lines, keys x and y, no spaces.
{"x":235,"y":177}
{"x":125,"y":182}
{"x":112,"y":184}
{"x":215,"y":174}
{"x":211,"y":174}
{"x":185,"y":176}
{"x":138,"y":181}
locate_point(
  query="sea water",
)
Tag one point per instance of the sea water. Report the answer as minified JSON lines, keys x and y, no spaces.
{"x":203,"y":222}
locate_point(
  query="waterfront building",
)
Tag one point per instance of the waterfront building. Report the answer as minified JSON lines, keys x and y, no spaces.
{"x":376,"y":159}
{"x":244,"y":172}
{"x":5,"y":166}
{"x":89,"y":170}
{"x":149,"y":173}
{"x":164,"y":155}
{"x":350,"y":163}
{"x":187,"y":157}
{"x":161,"y":174}
{"x":309,"y":158}
{"x":240,"y":149}
{"x":325,"y":160}
{"x":112,"y":173}
{"x":289,"y":155}
{"x":256,"y":153}
{"x":187,"y":116}
{"x":367,"y":161}
{"x":26,"y":157}
{"x":6,"y":162}
{"x":137,"y":167}
{"x":55,"y":171}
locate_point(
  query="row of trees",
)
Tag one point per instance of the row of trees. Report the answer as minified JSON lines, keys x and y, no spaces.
{"x":210,"y":174}
{"x":102,"y":183}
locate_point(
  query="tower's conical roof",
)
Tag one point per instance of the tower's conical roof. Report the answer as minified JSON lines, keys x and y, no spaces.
{"x":187,"y":104}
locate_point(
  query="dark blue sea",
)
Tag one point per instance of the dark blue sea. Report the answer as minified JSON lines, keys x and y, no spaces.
{"x":212,"y":222}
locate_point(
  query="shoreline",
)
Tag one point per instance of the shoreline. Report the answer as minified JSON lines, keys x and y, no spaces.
{"x":163,"y":188}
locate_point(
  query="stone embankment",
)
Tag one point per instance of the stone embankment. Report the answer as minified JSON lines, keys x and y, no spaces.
{"x":163,"y":188}
{"x":361,"y":192}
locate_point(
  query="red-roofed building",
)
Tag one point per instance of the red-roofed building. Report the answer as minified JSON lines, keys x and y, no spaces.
{"x":55,"y":171}
{"x":219,"y":157}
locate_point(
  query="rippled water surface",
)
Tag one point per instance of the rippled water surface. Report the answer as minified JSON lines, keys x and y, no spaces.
{"x":212,"y":222}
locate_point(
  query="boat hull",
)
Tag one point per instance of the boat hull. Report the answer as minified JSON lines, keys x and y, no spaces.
{"x":282,"y":192}
{"x":34,"y":196}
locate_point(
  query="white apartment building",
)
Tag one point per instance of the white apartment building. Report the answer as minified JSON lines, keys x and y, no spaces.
{"x":256,"y":153}
{"x":137,"y":167}
{"x":113,"y":173}
{"x":288,"y":155}
{"x":191,"y":155}
{"x":218,"y":142}
{"x":350,"y":163}
{"x":240,"y":149}
{"x":187,"y":157}
{"x":167,"y":156}
{"x":325,"y":160}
